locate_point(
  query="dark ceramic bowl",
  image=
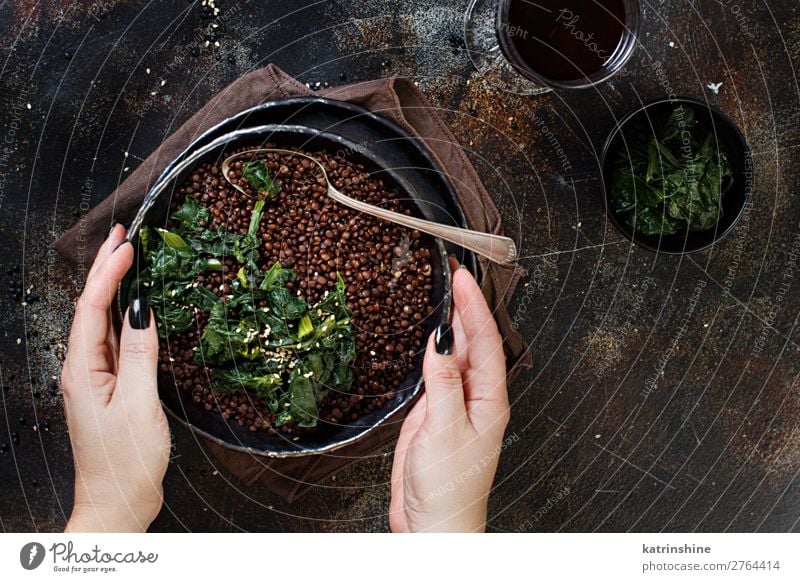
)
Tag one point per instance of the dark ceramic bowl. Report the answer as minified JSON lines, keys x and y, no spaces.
{"x":327,"y":436}
{"x":734,"y":200}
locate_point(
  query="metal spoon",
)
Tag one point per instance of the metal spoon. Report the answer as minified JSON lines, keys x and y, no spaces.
{"x":499,"y":249}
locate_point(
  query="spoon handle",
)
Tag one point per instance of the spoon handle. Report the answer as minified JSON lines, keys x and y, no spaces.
{"x":499,"y":249}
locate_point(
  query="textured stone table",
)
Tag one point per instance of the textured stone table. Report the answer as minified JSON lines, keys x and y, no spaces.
{"x":664,"y":394}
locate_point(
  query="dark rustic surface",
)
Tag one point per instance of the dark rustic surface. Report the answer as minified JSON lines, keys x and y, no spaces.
{"x":664,"y":394}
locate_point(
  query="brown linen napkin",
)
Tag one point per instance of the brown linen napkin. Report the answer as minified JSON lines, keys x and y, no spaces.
{"x":397,"y":99}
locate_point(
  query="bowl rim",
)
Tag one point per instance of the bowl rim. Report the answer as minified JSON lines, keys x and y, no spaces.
{"x":162,"y":184}
{"x":358,"y":111}
{"x":628,"y":231}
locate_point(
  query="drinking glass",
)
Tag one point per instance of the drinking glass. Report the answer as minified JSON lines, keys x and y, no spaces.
{"x":489,"y":36}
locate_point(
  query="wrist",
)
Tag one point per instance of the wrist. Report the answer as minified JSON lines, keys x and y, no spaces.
{"x":113,"y":518}
{"x":463,"y":523}
{"x":457,"y":519}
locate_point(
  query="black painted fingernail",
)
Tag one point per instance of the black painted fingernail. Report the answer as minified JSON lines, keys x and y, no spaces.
{"x":139,"y":313}
{"x":110,"y":230}
{"x":444,"y":339}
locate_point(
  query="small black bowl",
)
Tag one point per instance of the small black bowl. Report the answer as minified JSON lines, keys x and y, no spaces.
{"x":734,"y":201}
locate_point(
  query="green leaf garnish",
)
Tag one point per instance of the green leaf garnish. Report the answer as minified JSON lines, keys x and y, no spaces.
{"x":305,"y":326}
{"x":257,"y":175}
{"x":287,"y":352}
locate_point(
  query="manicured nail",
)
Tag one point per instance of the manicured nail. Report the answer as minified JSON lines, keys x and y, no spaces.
{"x":139,"y":313}
{"x":444,"y":339}
{"x":462,"y":266}
{"x":113,"y":226}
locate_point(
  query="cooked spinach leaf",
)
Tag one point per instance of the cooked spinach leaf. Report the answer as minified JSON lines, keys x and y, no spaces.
{"x":670,"y":175}
{"x":261,"y":336}
{"x":257,"y":175}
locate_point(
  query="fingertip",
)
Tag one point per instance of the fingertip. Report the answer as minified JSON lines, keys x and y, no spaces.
{"x":121,"y":260}
{"x":453,"y":262}
{"x":462,"y":276}
{"x":431,"y":356}
{"x":124,"y":247}
{"x":465,"y":289}
{"x":115,"y":236}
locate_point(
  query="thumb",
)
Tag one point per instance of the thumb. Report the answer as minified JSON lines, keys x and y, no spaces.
{"x":443,"y":383}
{"x":138,"y":355}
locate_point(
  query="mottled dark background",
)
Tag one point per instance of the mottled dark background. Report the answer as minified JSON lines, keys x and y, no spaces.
{"x":606,"y":434}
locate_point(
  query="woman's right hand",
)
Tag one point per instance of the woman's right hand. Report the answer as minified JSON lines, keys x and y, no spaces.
{"x":449,"y":445}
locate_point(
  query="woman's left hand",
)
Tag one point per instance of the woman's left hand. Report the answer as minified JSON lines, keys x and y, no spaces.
{"x":119,"y":433}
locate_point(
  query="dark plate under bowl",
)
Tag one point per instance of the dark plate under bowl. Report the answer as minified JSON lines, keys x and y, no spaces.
{"x":734,"y":200}
{"x":327,"y":436}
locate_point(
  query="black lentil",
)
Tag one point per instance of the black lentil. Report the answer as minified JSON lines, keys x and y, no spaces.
{"x":386,"y":268}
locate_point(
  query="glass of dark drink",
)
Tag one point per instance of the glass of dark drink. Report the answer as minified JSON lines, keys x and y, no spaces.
{"x":532,"y":46}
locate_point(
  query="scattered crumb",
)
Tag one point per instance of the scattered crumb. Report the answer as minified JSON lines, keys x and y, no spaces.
{"x":714,"y":87}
